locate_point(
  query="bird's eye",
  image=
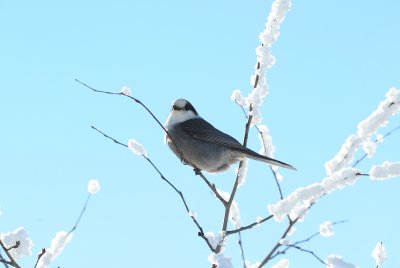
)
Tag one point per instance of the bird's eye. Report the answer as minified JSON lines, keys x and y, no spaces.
{"x":187,"y":107}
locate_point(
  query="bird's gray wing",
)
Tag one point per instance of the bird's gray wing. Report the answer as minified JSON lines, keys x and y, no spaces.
{"x":200,"y":129}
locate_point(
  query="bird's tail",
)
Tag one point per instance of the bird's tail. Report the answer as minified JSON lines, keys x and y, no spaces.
{"x":253,"y":155}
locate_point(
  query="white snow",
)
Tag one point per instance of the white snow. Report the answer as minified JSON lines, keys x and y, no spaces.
{"x":365,"y":130}
{"x":213,"y":239}
{"x":57,"y":246}
{"x":284,"y":242}
{"x":234,"y":214}
{"x":126,"y":91}
{"x":265,"y":60}
{"x":379,"y":254}
{"x":93,"y":186}
{"x":220,"y":260}
{"x":334,"y":261}
{"x":136,"y":147}
{"x":242,"y":172}
{"x":239,"y":98}
{"x":385,"y":171}
{"x":249,"y":265}
{"x":192,"y":214}
{"x":284,"y":263}
{"x":297,"y":203}
{"x":267,"y":147}
{"x":10,"y":238}
{"x":326,"y":229}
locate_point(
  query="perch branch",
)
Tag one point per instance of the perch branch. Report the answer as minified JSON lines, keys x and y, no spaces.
{"x":234,"y":189}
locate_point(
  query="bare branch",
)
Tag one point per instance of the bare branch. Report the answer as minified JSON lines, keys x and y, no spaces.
{"x":270,"y":255}
{"x":295,"y":245}
{"x":308,"y":251}
{"x":145,"y":107}
{"x":80,"y":215}
{"x":108,"y":137}
{"x":4,"y":262}
{"x":240,"y":242}
{"x":212,"y":187}
{"x":201,"y":232}
{"x":248,"y":226}
{"x":40,"y":256}
{"x":17,"y":244}
{"x":12,"y":262}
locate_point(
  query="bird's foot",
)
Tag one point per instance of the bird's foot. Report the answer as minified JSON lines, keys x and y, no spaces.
{"x":197,"y":171}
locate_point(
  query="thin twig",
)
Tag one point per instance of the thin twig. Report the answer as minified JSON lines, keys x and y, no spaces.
{"x":376,"y":141}
{"x":6,"y":263}
{"x":212,"y":187}
{"x":201,"y":232}
{"x":80,"y":215}
{"x":17,"y":244}
{"x":40,"y":256}
{"x":308,"y":251}
{"x":277,"y":245}
{"x":229,"y":232}
{"x":308,"y":239}
{"x":145,"y":107}
{"x":182,"y":158}
{"x":240,"y":242}
{"x":3,"y":261}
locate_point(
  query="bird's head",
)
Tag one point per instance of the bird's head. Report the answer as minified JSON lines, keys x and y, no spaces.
{"x":181,"y":111}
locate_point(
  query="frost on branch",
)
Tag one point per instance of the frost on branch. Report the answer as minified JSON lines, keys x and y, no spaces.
{"x":248,"y":264}
{"x":214,"y":239}
{"x":365,"y":130}
{"x":93,"y":186}
{"x":379,"y":254}
{"x":334,"y":261}
{"x":233,"y":210}
{"x":25,"y":246}
{"x":267,"y":147}
{"x":326,"y":229}
{"x":284,"y":263}
{"x":220,"y":260}
{"x":265,"y":60}
{"x":57,"y":246}
{"x":242,"y":172}
{"x":126,"y":91}
{"x":136,"y":147}
{"x":297,"y":203}
{"x":385,"y":171}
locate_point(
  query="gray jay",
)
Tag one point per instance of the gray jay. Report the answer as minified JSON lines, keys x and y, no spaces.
{"x":203,"y":146}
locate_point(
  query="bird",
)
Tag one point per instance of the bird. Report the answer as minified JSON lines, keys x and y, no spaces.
{"x":199,"y":144}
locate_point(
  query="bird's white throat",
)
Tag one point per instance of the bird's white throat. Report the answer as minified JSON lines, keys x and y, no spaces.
{"x":179,"y":116}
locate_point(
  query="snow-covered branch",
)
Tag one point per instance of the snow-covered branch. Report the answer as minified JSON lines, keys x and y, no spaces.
{"x":385,"y":171}
{"x":296,"y":204}
{"x":365,"y":130}
{"x":265,"y":60}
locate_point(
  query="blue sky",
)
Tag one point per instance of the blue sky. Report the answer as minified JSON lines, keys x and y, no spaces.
{"x":335,"y":62}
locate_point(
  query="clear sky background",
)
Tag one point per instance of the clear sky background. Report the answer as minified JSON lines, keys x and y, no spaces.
{"x":336,"y":60}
